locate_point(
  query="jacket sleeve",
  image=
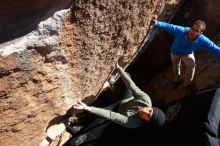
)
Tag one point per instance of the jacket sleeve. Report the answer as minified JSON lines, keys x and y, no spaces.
{"x":211,"y":47}
{"x":113,"y":116}
{"x":172,"y":29}
{"x":134,"y":89}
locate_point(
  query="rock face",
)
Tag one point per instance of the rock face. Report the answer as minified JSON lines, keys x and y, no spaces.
{"x":21,"y":17}
{"x":48,"y":59}
{"x":35,"y":86}
{"x":53,"y":59}
{"x":96,"y":34}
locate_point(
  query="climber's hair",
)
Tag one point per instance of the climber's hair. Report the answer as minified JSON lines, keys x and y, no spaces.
{"x":201,"y":23}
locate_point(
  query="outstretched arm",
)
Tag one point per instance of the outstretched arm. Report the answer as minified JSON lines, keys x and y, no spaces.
{"x":211,"y":47}
{"x":131,"y":85}
{"x":113,"y":116}
{"x":172,"y":29}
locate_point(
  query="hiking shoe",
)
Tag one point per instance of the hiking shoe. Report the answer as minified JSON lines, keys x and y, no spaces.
{"x":192,"y":88}
{"x":73,"y":120}
{"x":176,"y":84}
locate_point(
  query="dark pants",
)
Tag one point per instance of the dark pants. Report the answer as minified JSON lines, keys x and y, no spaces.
{"x":211,"y":123}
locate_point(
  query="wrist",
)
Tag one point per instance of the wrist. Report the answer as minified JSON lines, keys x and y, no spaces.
{"x":119,"y":68}
{"x":88,"y":109}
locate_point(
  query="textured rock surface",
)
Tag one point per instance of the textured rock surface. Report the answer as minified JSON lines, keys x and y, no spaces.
{"x":67,"y":56}
{"x":34,"y":84}
{"x":99,"y":32}
{"x":70,"y":55}
{"x":22,"y":16}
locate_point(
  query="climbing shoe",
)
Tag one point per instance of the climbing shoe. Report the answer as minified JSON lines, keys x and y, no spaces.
{"x":73,"y":120}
